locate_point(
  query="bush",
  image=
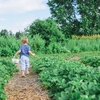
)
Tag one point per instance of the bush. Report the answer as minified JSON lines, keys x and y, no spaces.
{"x":37,"y":44}
{"x":47,"y":29}
{"x":8,"y":46}
{"x":93,"y":61}
{"x":56,"y":47}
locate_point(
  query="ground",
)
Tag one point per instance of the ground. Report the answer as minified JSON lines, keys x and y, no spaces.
{"x":27,"y":88}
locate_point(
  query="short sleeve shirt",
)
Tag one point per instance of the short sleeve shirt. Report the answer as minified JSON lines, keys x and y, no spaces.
{"x":24,"y":50}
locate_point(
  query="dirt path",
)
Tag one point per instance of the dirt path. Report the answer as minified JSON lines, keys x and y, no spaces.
{"x":75,"y":58}
{"x":26,"y":88}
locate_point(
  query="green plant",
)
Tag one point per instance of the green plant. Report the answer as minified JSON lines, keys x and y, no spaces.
{"x":47,"y":29}
{"x":93,"y":61}
{"x":37,"y":44}
{"x":56,"y":47}
{"x":68,"y":80}
{"x":6,"y":72}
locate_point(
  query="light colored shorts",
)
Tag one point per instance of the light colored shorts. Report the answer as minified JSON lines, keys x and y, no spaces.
{"x":24,"y":61}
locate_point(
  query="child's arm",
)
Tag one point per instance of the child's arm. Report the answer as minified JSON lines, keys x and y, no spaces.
{"x":17,"y":52}
{"x":33,"y":54}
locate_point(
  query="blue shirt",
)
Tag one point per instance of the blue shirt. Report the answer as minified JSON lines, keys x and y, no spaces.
{"x":24,"y":50}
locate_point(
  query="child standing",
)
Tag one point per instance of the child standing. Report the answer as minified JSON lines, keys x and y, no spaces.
{"x":24,"y":51}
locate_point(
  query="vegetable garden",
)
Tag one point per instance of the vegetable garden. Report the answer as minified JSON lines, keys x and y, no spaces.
{"x":69,"y":80}
{"x":65,"y":78}
{"x":73,"y":30}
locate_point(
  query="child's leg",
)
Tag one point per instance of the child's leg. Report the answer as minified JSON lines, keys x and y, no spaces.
{"x":27,"y":71}
{"x":27,"y":65}
{"x":23,"y":72}
{"x":22,"y":66}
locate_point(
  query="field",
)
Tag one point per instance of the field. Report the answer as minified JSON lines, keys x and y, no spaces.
{"x":68,"y":72}
{"x":70,"y":76}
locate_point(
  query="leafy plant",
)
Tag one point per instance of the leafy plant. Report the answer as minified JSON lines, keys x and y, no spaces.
{"x":68,"y":80}
{"x":6,"y":72}
{"x":47,"y":29}
{"x":93,"y":61}
{"x":37,"y":43}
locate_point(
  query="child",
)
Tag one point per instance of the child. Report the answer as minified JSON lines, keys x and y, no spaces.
{"x":24,"y":51}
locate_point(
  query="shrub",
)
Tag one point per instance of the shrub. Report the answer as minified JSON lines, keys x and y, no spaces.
{"x":56,"y":47}
{"x":37,"y":44}
{"x":47,"y":29}
{"x":93,"y":61}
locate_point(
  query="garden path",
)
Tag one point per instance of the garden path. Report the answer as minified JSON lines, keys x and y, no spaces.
{"x":27,"y":88}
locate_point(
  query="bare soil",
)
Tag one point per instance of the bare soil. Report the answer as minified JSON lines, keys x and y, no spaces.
{"x":26,"y":88}
{"x":75,"y":58}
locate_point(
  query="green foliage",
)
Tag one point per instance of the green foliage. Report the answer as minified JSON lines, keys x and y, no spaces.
{"x":47,"y":29}
{"x":6,"y":72}
{"x":76,"y":16}
{"x":9,"y":45}
{"x":89,"y":11}
{"x":37,"y":44}
{"x":68,"y":80}
{"x":93,"y":61}
{"x":56,"y":47}
{"x":63,"y":12}
{"x":4,"y":33}
{"x":81,"y":45}
{"x":18,"y":34}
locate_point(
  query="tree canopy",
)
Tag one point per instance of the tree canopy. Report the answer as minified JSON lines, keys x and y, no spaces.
{"x":47,"y":29}
{"x":79,"y":17}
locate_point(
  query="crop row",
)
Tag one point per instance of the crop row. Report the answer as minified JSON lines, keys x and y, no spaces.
{"x":68,"y":80}
{"x":6,"y":72}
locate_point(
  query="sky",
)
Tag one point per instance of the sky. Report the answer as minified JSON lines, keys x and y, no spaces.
{"x":15,"y":15}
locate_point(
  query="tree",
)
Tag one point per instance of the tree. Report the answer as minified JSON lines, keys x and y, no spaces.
{"x":18,"y":34}
{"x":10,"y":33}
{"x":47,"y":29}
{"x":76,"y":16}
{"x":64,"y":13}
{"x":4,"y":32}
{"x":90,"y":18}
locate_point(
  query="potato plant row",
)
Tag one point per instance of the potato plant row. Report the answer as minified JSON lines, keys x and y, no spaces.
{"x":68,"y":80}
{"x":6,"y":72}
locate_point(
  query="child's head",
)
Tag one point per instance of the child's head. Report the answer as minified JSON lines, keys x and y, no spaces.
{"x":24,"y":40}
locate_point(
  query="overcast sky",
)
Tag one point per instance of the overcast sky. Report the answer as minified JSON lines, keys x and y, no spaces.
{"x":15,"y":15}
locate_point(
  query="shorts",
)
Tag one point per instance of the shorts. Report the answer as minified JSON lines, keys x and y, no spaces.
{"x":24,"y":61}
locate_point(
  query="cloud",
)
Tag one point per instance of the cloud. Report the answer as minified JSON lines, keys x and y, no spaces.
{"x":2,"y":19}
{"x":21,"y":6}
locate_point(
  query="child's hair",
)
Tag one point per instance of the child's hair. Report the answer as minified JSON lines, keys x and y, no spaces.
{"x":24,"y":40}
